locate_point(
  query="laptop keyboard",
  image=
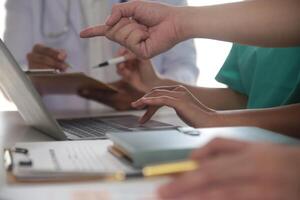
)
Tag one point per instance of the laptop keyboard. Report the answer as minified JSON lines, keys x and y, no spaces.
{"x":97,"y":127}
{"x":86,"y":128}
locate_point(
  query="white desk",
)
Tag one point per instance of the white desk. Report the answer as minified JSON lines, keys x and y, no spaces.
{"x":13,"y":129}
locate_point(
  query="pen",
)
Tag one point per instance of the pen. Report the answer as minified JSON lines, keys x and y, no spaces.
{"x":170,"y":168}
{"x":113,"y":61}
{"x":159,"y":170}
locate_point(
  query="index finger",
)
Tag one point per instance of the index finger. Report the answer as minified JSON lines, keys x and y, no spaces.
{"x":100,"y":30}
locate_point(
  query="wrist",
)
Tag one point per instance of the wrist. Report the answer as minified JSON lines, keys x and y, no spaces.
{"x":180,"y":23}
{"x":157,"y":82}
{"x":219,"y":118}
{"x":188,"y":22}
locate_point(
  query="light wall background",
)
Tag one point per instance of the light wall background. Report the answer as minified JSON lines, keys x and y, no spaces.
{"x":211,"y":53}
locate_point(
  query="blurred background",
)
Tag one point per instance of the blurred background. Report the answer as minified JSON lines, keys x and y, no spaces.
{"x":210,"y":53}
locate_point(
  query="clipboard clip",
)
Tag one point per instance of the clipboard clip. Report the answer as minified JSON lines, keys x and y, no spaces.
{"x":9,"y":161}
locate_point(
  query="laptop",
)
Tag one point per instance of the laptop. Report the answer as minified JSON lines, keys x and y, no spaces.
{"x":19,"y":88}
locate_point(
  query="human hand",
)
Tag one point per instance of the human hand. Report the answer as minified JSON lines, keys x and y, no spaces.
{"x":138,"y":73}
{"x":120,"y":101}
{"x":186,"y":105}
{"x":146,"y":28}
{"x":43,"y":57}
{"x":233,"y":170}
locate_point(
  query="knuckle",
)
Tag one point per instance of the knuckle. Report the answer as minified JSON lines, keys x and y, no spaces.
{"x":115,"y":8}
{"x":180,"y":88}
{"x":165,"y":99}
{"x":159,"y":92}
{"x":36,"y":47}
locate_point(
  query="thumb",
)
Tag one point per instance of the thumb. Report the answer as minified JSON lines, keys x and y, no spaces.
{"x":121,"y":51}
{"x":126,"y":53}
{"x":62,"y":54}
{"x":100,"y":30}
{"x":121,"y":10}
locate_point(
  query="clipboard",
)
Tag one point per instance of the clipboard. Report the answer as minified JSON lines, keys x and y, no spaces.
{"x":52,"y":82}
{"x":35,"y":163}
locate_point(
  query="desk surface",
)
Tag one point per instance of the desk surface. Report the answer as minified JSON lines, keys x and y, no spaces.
{"x":13,"y":129}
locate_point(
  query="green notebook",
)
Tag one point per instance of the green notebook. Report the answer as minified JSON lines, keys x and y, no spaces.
{"x":152,"y":147}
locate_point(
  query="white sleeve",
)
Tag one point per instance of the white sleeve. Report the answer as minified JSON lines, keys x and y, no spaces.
{"x":179,"y":63}
{"x":18,"y":35}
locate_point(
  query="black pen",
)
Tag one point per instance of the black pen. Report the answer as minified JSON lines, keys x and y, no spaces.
{"x":113,"y":61}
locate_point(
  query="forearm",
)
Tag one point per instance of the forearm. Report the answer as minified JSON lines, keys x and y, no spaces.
{"x":214,"y":98}
{"x":284,"y":119}
{"x":270,"y":23}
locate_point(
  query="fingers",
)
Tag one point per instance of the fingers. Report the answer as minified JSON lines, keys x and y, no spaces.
{"x":100,"y":30}
{"x":158,"y":98}
{"x":126,"y":53}
{"x":124,"y":72}
{"x":114,"y":30}
{"x":121,"y":10}
{"x":154,"y":104}
{"x":127,"y":69}
{"x":128,"y":33}
{"x":148,"y":114}
{"x":170,"y":87}
{"x":46,"y":57}
{"x":218,"y":146}
{"x":155,"y":101}
{"x":47,"y":51}
{"x":37,"y":61}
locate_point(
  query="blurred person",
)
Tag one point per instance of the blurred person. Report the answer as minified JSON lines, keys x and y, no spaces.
{"x":45,"y":34}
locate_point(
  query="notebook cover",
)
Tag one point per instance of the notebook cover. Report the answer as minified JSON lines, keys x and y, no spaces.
{"x":153,"y":147}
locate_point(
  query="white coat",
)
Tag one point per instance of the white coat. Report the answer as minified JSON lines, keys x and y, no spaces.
{"x":32,"y":21}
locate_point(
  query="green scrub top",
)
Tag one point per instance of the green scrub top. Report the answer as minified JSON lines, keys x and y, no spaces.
{"x":269,"y":77}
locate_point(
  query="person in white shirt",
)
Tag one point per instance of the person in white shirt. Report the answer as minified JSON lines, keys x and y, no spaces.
{"x":45,"y":34}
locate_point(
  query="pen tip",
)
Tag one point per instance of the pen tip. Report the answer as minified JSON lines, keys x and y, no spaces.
{"x":103,"y":64}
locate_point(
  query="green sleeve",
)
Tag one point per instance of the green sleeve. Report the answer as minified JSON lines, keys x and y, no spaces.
{"x":229,"y":74}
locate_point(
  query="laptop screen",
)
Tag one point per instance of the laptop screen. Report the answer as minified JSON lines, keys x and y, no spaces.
{"x":19,"y":88}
